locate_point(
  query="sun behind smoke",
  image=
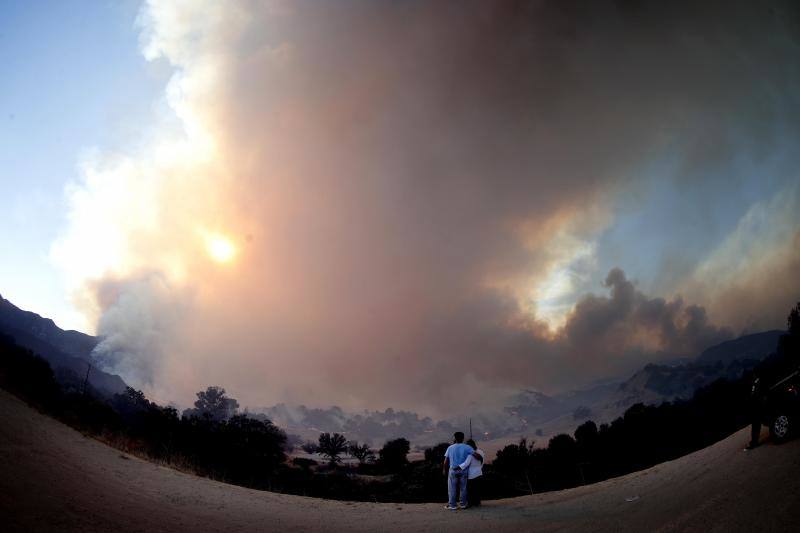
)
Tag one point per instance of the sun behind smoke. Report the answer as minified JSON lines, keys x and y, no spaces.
{"x":220,"y":248}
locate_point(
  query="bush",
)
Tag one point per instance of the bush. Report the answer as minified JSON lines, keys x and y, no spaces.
{"x":393,"y":457}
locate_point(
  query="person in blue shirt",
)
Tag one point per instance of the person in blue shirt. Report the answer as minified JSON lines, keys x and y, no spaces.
{"x":456,"y":454}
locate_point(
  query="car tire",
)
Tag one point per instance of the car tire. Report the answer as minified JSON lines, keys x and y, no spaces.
{"x":780,"y":427}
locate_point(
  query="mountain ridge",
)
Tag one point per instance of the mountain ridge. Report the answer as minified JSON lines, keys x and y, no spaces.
{"x":69,"y":352}
{"x":527,"y":412}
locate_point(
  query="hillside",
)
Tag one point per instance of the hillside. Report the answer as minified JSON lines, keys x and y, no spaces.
{"x":68,"y":352}
{"x":650,"y":385}
{"x":53,"y":478}
{"x":533,"y":414}
{"x":754,"y":346}
{"x":656,"y":383}
{"x":33,"y":326}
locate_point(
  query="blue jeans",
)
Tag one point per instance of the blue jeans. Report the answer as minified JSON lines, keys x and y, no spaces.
{"x":457,"y":481}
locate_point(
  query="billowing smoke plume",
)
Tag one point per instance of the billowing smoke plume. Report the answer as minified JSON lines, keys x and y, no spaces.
{"x":397,"y":184}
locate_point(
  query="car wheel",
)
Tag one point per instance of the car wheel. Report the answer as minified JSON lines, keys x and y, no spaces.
{"x":779,"y":428}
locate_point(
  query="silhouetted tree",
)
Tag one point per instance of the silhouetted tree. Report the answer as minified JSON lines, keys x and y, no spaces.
{"x":560,"y":462}
{"x":129,"y":402}
{"x":436,"y":454}
{"x":586,"y":434}
{"x":515,"y":462}
{"x":213,"y":404}
{"x":362,"y":452}
{"x":562,"y":445}
{"x":393,"y":455}
{"x":252,"y":449}
{"x":332,"y":446}
{"x":793,"y":321}
{"x":791,"y":342}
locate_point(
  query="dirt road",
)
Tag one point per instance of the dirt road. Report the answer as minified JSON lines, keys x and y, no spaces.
{"x":54,"y":479}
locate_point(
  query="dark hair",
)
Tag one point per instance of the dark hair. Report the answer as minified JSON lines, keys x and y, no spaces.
{"x":472,"y":443}
{"x":459,"y":436}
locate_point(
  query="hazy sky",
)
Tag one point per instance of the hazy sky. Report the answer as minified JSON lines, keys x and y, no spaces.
{"x":399,"y":203}
{"x":73,"y":80}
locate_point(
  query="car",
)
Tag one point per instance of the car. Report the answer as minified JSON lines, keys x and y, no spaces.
{"x":782,"y":409}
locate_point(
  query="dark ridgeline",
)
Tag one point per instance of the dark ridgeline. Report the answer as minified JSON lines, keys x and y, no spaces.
{"x":212,"y":440}
{"x":68,"y":352}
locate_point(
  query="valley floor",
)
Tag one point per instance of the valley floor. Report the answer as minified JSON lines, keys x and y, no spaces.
{"x":52,"y":478}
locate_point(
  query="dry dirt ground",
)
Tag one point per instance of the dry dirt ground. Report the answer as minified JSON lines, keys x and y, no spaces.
{"x":52,"y":478}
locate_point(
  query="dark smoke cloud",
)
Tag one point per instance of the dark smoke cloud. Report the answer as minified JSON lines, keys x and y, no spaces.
{"x":630,"y":323}
{"x":604,"y":335}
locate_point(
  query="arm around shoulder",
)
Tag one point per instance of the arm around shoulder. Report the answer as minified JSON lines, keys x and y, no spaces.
{"x":466,"y":463}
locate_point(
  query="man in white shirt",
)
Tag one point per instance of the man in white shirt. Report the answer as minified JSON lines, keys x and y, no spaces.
{"x":473,"y":467}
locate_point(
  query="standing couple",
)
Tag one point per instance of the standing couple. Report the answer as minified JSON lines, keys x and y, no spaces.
{"x":463,"y":466}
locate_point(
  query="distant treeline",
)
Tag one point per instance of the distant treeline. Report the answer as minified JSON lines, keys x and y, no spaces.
{"x":213,"y":441}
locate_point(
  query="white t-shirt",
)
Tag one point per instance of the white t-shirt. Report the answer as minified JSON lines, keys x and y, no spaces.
{"x":473,"y":466}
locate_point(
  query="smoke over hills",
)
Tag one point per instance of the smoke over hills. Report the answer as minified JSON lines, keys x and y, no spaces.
{"x":418,"y":195}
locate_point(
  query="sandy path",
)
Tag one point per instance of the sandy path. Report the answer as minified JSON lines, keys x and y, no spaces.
{"x":53,"y":478}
